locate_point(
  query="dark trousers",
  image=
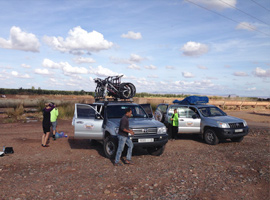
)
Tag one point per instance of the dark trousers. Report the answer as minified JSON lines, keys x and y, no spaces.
{"x":174,"y":132}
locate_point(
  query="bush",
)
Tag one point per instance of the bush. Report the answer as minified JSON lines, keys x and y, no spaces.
{"x":15,"y":113}
{"x":66,"y":111}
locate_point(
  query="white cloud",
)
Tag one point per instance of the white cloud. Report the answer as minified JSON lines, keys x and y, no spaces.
{"x":68,"y":69}
{"x":246,"y":26}
{"x":240,"y":74}
{"x":65,"y":66}
{"x":134,"y":58}
{"x":216,"y":4}
{"x":80,"y":60}
{"x":134,"y":66}
{"x":79,"y":40}
{"x":42,"y":71}
{"x":259,"y":72}
{"x":152,"y":76}
{"x":26,"y":66}
{"x":187,"y":75}
{"x":20,"y":40}
{"x":169,"y":67}
{"x":50,"y":64}
{"x":152,"y":67}
{"x":194,"y":49}
{"x":202,"y":67}
{"x":101,"y":71}
{"x":17,"y":75}
{"x":132,"y":35}
{"x":251,"y":89}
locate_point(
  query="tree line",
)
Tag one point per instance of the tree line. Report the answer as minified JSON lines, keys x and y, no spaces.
{"x":39,"y":91}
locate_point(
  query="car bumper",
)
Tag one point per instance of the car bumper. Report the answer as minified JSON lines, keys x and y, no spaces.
{"x":157,"y":140}
{"x":226,"y":133}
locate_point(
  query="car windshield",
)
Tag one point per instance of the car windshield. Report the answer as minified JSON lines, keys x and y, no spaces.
{"x":211,"y":112}
{"x":118,"y":111}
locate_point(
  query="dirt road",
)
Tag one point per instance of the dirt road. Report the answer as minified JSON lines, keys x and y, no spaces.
{"x":188,"y":169}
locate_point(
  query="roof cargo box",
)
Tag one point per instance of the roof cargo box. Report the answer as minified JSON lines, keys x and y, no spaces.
{"x":192,"y":100}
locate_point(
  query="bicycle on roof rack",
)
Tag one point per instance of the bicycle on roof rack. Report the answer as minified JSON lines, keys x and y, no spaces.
{"x":112,"y":86}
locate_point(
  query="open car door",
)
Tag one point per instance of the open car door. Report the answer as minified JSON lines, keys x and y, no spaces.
{"x":86,"y":123}
{"x":148,"y":109}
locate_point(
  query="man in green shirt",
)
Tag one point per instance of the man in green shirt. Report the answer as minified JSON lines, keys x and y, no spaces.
{"x":54,"y":115}
{"x":174,"y":120}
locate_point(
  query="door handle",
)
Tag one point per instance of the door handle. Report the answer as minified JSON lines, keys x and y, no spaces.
{"x":181,"y":120}
{"x":79,"y":122}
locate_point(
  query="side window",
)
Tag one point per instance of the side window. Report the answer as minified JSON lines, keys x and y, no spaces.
{"x":163,"y":108}
{"x":185,"y":112}
{"x":190,"y":113}
{"x":159,"y":108}
{"x":85,"y":112}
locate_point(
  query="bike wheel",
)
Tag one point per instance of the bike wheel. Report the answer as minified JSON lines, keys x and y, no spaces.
{"x":125,"y":91}
{"x":133,"y":89}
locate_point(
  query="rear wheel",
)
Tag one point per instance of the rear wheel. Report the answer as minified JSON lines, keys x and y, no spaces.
{"x":237,"y":139}
{"x":110,"y":147}
{"x":125,"y":91}
{"x":210,"y":137}
{"x":133,"y":89}
{"x":156,"y":151}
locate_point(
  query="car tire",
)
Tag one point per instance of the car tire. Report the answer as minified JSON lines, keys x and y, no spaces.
{"x":156,"y":151}
{"x":110,"y":146}
{"x":210,"y":137}
{"x":237,"y":139}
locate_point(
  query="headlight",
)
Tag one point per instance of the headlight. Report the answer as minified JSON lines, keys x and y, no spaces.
{"x":223,"y":125}
{"x":245,"y":123}
{"x":116,"y":130}
{"x":162,"y":130}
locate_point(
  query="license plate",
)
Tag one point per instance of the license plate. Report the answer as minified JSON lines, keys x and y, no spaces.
{"x":238,"y":130}
{"x":146,"y":140}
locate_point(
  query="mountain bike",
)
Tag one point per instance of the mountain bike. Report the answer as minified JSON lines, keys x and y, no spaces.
{"x":112,"y":86}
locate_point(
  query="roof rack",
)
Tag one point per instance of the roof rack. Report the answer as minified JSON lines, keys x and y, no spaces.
{"x":112,"y":100}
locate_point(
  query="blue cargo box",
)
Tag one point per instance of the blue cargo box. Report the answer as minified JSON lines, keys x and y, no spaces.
{"x":192,"y":100}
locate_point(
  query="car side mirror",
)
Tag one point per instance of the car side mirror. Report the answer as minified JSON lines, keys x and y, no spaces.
{"x":98,"y":116}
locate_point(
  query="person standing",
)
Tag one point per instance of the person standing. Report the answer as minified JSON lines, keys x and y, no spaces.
{"x":174,"y":120}
{"x":123,"y":138}
{"x":54,"y":115}
{"x":46,"y":124}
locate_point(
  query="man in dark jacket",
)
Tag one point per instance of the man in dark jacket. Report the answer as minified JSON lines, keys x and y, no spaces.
{"x":46,"y":124}
{"x":123,"y":138}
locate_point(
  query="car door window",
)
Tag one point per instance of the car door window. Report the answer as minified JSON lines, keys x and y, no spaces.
{"x":185,"y":112}
{"x":85,"y":112}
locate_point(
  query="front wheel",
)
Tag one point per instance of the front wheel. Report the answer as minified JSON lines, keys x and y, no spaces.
{"x":210,"y":137}
{"x":237,"y":139}
{"x":156,"y":151}
{"x":110,"y":147}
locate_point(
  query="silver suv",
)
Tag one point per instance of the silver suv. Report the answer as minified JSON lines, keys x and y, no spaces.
{"x":100,"y":121}
{"x":195,"y":116}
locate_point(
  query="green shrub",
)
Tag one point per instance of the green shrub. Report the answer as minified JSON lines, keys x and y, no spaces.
{"x":15,"y":113}
{"x":66,"y":111}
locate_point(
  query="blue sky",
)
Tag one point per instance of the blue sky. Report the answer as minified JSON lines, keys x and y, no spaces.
{"x":211,"y":47}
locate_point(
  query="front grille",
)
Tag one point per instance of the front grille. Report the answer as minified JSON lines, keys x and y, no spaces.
{"x":144,"y":131}
{"x":236,"y":125}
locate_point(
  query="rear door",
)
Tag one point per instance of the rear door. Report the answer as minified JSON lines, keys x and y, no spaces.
{"x":148,"y":109}
{"x":86,"y":125}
